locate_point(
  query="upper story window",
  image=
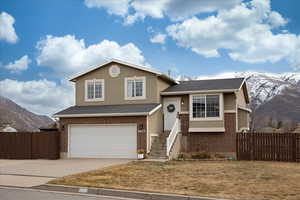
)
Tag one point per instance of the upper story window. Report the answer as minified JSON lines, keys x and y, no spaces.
{"x":205,"y":107}
{"x":135,"y":88}
{"x":94,"y":90}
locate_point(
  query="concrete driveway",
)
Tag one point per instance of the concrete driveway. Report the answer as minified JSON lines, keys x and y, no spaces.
{"x":28,"y":173}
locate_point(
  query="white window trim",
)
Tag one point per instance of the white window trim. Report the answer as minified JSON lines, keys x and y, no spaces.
{"x":143,"y":78}
{"x":221,"y":110}
{"x":86,"y":90}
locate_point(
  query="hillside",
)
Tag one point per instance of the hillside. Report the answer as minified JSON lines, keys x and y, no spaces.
{"x":20,"y":118}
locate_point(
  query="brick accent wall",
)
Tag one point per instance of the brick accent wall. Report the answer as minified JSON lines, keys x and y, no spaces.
{"x":184,"y":119}
{"x":210,"y":142}
{"x":141,"y":122}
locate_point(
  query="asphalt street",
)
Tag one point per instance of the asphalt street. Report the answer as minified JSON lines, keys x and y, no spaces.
{"x":28,"y":194}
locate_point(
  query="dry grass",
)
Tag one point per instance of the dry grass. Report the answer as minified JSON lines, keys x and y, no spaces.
{"x":223,"y":179}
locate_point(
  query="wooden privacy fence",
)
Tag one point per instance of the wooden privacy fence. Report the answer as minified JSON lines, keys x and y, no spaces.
{"x":29,"y":145}
{"x":268,"y":146}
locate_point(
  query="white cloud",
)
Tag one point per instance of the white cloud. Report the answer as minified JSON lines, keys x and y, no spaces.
{"x":158,"y":38}
{"x":245,"y":31}
{"x":18,"y":65}
{"x":7,"y":30}
{"x":38,"y":96}
{"x":68,"y":55}
{"x":131,"y":19}
{"x":180,"y":9}
{"x":276,"y":20}
{"x":174,"y":9}
{"x":117,"y":7}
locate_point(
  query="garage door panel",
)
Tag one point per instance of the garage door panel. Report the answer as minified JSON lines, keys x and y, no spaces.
{"x":103,"y":141}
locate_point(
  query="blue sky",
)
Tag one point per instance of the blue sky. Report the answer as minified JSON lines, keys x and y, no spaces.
{"x":197,"y":38}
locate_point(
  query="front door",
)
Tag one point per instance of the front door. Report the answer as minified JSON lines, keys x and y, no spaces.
{"x":171,"y":108}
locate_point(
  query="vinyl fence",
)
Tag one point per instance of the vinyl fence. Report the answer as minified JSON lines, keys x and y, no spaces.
{"x":268,"y":146}
{"x":29,"y":145}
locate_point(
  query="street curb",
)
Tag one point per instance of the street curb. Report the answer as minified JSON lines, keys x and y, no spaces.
{"x":119,"y":193}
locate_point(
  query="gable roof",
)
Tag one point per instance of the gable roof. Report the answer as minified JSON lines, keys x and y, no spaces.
{"x":221,"y":85}
{"x":146,"y":69}
{"x":108,"y":110}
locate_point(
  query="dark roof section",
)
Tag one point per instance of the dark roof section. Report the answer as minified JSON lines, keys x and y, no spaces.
{"x":206,"y":85}
{"x":108,"y":109}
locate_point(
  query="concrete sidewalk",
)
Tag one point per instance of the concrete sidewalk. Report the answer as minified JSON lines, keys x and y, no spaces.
{"x":22,"y":181}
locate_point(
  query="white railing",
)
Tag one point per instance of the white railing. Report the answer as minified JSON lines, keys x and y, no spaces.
{"x":172,"y":136}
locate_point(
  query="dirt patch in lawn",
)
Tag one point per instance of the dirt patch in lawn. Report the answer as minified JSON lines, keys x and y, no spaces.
{"x":223,"y":179}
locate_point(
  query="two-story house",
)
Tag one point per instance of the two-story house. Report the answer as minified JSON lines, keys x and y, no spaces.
{"x":121,"y":107}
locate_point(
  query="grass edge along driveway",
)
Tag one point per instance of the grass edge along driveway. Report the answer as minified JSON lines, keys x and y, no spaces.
{"x":221,"y":179}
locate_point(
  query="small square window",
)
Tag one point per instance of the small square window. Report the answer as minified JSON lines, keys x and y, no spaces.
{"x":135,"y":88}
{"x":95,"y":90}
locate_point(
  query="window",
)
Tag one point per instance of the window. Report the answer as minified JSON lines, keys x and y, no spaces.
{"x":135,"y":88}
{"x":94,"y":90}
{"x":205,"y":106}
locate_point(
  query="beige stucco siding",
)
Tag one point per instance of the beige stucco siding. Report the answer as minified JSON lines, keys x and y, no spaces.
{"x":240,"y":97}
{"x":185,"y":103}
{"x":243,"y":119}
{"x":156,"y":122}
{"x":161,"y":86}
{"x":115,"y":87}
{"x":229,"y":101}
{"x":155,"y":126}
{"x":207,"y":124}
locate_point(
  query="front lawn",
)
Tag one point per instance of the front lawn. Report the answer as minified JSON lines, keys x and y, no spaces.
{"x":223,"y":179}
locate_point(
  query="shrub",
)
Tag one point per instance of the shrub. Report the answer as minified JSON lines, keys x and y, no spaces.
{"x":141,"y":151}
{"x":220,"y":155}
{"x":201,"y":155}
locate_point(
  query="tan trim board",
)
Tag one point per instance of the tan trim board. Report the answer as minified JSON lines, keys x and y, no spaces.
{"x":155,"y":109}
{"x":197,"y":92}
{"x":229,"y":111}
{"x":245,"y":109}
{"x":206,"y":129}
{"x":184,"y":112}
{"x":242,"y":84}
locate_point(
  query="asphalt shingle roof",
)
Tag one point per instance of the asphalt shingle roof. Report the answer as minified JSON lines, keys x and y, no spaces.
{"x":108,"y":109}
{"x":211,"y":84}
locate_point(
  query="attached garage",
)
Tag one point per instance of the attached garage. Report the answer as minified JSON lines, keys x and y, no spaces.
{"x":105,"y":131}
{"x":102,"y":141}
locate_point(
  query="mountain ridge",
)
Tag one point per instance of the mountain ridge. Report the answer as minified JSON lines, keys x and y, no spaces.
{"x":19,"y":117}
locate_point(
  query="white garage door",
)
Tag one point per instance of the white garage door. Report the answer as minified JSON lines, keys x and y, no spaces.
{"x":102,"y":141}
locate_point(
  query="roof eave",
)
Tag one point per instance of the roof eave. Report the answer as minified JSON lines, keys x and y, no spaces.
{"x":57,"y":115}
{"x":73,"y":79}
{"x":100,"y":115}
{"x":168,"y":79}
{"x":198,"y":91}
